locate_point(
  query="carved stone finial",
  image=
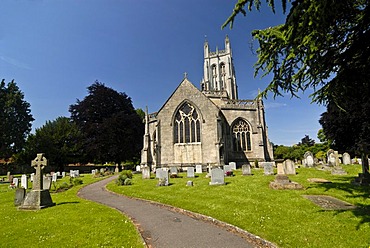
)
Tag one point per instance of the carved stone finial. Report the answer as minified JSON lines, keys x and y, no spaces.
{"x":185,"y":75}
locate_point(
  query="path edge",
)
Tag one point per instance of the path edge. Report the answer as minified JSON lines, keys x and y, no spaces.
{"x":258,"y":241}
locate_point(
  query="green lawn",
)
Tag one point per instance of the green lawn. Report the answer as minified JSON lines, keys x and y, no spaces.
{"x":283,"y":217}
{"x":73,"y":222}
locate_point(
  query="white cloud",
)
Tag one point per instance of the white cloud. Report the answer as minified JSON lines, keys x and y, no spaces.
{"x":15,"y":62}
{"x":272,"y":105}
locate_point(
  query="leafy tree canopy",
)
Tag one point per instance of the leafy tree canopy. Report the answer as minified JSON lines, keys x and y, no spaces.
{"x":59,"y":140}
{"x":317,"y":42}
{"x":112,"y":129}
{"x":16,"y":119}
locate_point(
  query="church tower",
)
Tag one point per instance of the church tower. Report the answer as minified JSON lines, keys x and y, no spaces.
{"x":218,"y":73}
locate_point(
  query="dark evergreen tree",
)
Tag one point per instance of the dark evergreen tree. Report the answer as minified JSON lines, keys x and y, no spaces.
{"x":306,"y":141}
{"x":112,"y":130}
{"x":15,"y":119}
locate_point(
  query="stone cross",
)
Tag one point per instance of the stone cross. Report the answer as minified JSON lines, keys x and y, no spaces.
{"x":39,"y":163}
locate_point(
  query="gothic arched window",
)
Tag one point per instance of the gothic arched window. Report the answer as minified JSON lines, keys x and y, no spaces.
{"x":223,"y":75}
{"x":187,"y":125}
{"x":241,"y":136}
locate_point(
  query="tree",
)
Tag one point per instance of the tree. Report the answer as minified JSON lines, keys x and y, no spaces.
{"x":322,"y":45}
{"x":59,"y":140}
{"x":112,"y":130}
{"x":317,"y":41}
{"x":306,"y":141}
{"x":16,"y":119}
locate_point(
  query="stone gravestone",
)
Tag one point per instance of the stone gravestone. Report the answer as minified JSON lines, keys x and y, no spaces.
{"x":246,"y":170}
{"x":46,"y":182}
{"x":38,"y":198}
{"x":16,"y":182}
{"x":227,"y":168}
{"x":93,"y":172}
{"x":346,"y":158}
{"x":54,"y":177}
{"x":138,"y":168}
{"x":63,"y":174}
{"x":309,"y":159}
{"x":280,"y":169}
{"x":32,"y":176}
{"x":24,"y":181}
{"x":232,"y":165}
{"x":268,"y":168}
{"x":20,"y":194}
{"x":173,"y":170}
{"x":198,"y":169}
{"x":145,"y":172}
{"x":330,"y":157}
{"x":163,"y":178}
{"x":217,"y":177}
{"x":190,"y":172}
{"x":8,"y":176}
{"x":289,"y":167}
{"x":116,"y":170}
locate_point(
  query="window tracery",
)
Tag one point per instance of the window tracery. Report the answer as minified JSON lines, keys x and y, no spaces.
{"x":241,"y":136}
{"x":187,"y":125}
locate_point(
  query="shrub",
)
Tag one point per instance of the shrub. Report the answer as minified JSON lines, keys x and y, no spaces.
{"x":77,"y":181}
{"x":124,"y":178}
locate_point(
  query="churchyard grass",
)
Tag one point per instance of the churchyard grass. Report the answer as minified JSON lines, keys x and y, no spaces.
{"x":283,"y":217}
{"x":73,"y":222}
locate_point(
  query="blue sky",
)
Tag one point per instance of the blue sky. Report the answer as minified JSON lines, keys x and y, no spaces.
{"x":55,"y":49}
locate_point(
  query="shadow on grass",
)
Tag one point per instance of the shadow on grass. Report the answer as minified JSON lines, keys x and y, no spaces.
{"x":361,"y":211}
{"x":62,"y":203}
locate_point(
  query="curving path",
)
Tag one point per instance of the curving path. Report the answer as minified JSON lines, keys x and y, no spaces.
{"x":163,"y":227}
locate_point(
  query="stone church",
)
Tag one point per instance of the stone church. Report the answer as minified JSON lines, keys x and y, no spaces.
{"x":207,"y":126}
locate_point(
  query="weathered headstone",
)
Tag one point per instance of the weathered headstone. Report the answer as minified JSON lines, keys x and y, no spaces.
{"x":20,"y":194}
{"x":346,"y":158}
{"x":190,"y":172}
{"x":32,"y":176}
{"x":308,"y":156}
{"x":246,"y":170}
{"x":46,"y":182}
{"x":138,"y":168}
{"x":116,"y":170}
{"x":173,"y":170}
{"x":280,"y":169}
{"x":227,"y":168}
{"x":24,"y":181}
{"x":331,"y":157}
{"x":283,"y":182}
{"x":232,"y":165}
{"x":54,"y":177}
{"x":93,"y":172}
{"x":63,"y":174}
{"x":145,"y":172}
{"x":198,"y":169}
{"x":289,"y":167}
{"x":15,"y":182}
{"x":189,"y":183}
{"x":102,"y":170}
{"x":268,"y":167}
{"x":217,"y":177}
{"x":163,"y":178}
{"x":8,"y":176}
{"x":38,"y":198}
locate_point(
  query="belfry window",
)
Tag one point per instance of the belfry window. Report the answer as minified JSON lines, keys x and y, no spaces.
{"x":187,"y":125}
{"x":242,"y":136}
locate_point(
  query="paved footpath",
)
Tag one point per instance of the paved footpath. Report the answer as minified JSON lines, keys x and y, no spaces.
{"x":162,"y":226}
